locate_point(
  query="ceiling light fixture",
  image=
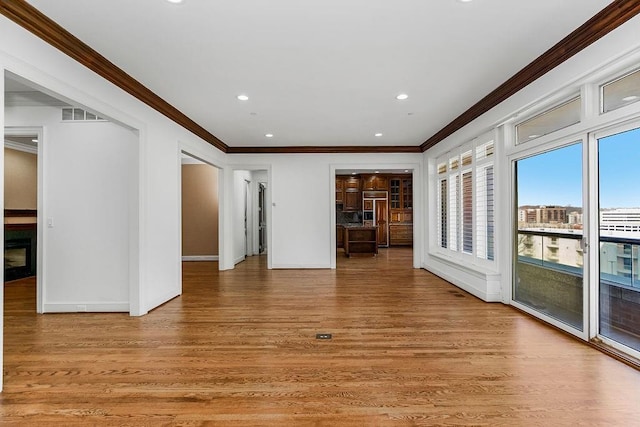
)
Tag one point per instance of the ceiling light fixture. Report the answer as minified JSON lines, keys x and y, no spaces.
{"x":377,"y":172}
{"x":268,"y":135}
{"x":406,"y":170}
{"x":34,"y":140}
{"x":630,"y":98}
{"x":353,"y":173}
{"x":175,"y":1}
{"x":402,"y":96}
{"x":378,"y":134}
{"x":465,"y":1}
{"x":535,"y":135}
{"x":243,"y":97}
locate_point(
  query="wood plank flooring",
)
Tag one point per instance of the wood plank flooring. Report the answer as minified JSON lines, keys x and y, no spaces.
{"x":239,"y":349}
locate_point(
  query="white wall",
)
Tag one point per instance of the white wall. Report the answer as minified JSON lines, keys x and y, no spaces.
{"x":301,"y":209}
{"x":90,"y":196}
{"x":156,"y":249}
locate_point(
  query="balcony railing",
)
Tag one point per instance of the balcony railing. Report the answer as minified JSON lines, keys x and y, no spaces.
{"x":563,"y":252}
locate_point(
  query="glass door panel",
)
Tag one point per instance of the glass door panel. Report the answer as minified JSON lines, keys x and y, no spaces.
{"x":549,"y":261}
{"x":619,"y":238}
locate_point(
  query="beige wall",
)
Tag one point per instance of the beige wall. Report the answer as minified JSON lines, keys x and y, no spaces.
{"x":20,"y":180}
{"x":199,"y":210}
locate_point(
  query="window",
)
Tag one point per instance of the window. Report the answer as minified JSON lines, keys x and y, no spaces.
{"x":465,"y":199}
{"x":621,"y":92}
{"x":554,"y":119}
{"x":442,"y":214}
{"x":467,"y":212}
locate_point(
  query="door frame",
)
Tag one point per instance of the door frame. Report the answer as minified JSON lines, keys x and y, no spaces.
{"x":419,"y":209}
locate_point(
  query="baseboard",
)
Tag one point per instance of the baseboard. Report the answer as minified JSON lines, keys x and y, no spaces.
{"x":239,"y":260}
{"x":87,"y":307}
{"x":301,"y":266}
{"x":200,"y":258}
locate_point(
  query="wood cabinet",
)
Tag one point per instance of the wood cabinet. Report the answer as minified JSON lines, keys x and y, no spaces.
{"x":339,"y":236}
{"x":375,"y":182}
{"x":400,"y":234}
{"x":352,"y":201}
{"x":401,"y":210}
{"x":348,"y":193}
{"x":360,"y":240}
{"x":339,"y":189}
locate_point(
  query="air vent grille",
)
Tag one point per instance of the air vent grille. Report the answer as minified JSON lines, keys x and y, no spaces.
{"x":80,"y":115}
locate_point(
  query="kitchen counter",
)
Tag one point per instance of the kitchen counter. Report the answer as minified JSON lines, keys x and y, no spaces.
{"x":360,"y":239}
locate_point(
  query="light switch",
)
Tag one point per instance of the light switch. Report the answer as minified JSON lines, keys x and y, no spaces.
{"x":50,"y":222}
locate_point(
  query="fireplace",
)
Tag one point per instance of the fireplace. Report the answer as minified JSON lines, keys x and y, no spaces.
{"x":17,"y":259}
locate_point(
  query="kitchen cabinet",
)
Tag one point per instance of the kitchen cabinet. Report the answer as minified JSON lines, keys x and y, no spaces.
{"x":352,"y":201}
{"x":400,"y":234}
{"x":339,"y":236}
{"x":348,"y":190}
{"x":375,"y":182}
{"x":401,"y":210}
{"x":339,"y":189}
{"x":360,"y":240}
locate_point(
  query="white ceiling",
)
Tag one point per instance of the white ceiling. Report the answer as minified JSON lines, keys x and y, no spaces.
{"x":321,"y":72}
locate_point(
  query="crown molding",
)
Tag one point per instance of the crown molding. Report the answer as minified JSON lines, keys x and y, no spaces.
{"x":31,"y":19}
{"x":605,"y":21}
{"x":325,"y":149}
{"x":602,"y":23}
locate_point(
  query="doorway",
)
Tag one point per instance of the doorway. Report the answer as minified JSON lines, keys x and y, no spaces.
{"x":262,"y":218}
{"x":549,"y":267}
{"x":382,"y":198}
{"x":22,"y":208}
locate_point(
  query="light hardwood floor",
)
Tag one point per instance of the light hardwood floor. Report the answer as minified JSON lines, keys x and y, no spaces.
{"x":239,"y":349}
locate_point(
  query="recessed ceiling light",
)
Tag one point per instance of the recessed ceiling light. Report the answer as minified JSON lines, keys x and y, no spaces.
{"x":175,"y":1}
{"x":406,"y":170}
{"x":378,"y":134}
{"x":243,"y":97}
{"x":465,"y":1}
{"x":34,"y":140}
{"x":377,"y":171}
{"x":402,"y":96}
{"x":630,"y":98}
{"x":268,"y":135}
{"x":535,"y":135}
{"x":353,"y":173}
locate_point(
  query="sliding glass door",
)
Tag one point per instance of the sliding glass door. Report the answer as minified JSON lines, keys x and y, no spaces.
{"x":619,"y":238}
{"x":560,"y":204}
{"x":549,"y":259}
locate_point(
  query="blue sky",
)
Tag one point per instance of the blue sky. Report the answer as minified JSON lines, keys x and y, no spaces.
{"x":555,"y":177}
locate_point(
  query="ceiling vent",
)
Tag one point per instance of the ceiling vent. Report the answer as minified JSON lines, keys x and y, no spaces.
{"x":80,"y":115}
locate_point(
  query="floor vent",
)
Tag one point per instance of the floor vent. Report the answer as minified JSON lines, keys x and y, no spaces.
{"x":323,"y":336}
